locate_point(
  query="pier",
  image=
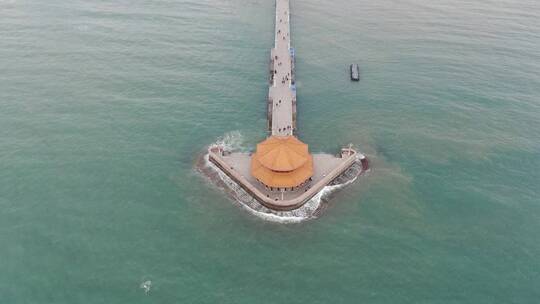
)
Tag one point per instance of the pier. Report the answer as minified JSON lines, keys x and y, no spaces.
{"x":281,"y":174}
{"x":282,"y":92}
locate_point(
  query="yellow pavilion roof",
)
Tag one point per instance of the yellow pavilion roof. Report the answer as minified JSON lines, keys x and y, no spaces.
{"x":282,"y":162}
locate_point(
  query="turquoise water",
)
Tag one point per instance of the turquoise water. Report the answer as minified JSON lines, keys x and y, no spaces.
{"x":106,"y":105}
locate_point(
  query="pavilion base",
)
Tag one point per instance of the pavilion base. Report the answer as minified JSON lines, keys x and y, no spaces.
{"x":328,"y":170}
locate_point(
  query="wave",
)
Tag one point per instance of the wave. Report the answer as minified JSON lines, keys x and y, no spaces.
{"x":231,"y":141}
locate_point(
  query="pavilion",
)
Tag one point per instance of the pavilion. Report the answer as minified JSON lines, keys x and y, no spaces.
{"x":282,"y":163}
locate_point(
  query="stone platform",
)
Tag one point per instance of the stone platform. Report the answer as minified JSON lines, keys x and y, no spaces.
{"x":326,"y":169}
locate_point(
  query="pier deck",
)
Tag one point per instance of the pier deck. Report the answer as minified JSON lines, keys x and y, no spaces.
{"x":282,"y":94}
{"x":329,"y":168}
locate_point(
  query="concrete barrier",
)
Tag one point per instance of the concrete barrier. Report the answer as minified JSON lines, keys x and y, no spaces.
{"x":280,"y":205}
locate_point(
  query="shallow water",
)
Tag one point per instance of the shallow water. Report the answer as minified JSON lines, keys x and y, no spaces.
{"x":106,"y":105}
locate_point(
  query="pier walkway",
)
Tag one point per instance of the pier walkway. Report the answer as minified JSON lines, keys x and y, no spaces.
{"x":282,"y":92}
{"x":281,"y":174}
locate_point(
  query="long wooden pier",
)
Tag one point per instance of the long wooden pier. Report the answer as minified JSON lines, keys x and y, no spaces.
{"x":282,"y":92}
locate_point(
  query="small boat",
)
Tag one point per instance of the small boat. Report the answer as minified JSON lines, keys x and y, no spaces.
{"x":355,"y":72}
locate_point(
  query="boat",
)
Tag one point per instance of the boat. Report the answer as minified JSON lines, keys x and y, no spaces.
{"x":355,"y":72}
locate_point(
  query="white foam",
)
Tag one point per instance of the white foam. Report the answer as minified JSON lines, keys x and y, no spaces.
{"x":231,"y":141}
{"x":146,"y":285}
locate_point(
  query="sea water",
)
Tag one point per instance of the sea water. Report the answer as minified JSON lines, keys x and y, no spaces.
{"x":106,"y":106}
